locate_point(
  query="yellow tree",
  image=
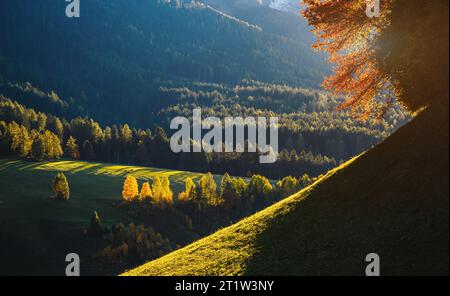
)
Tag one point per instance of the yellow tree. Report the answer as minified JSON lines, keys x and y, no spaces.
{"x":208,"y":189}
{"x":167,"y":194}
{"x":60,"y":187}
{"x":146,"y":191}
{"x":157,"y":190}
{"x":189,"y":191}
{"x":130,"y":188}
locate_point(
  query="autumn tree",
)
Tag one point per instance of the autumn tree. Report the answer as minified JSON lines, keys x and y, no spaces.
{"x":146,"y":191}
{"x":288,"y":185}
{"x":20,"y":139}
{"x":189,"y":191}
{"x":226,"y":179}
{"x":207,"y":189}
{"x":156,"y":188}
{"x":229,"y":191}
{"x":404,"y":50}
{"x":45,"y":145}
{"x":60,"y":187}
{"x":167,"y":194}
{"x":38,"y":148}
{"x":130,"y":189}
{"x":258,"y":191}
{"x":72,"y":150}
{"x":305,"y":180}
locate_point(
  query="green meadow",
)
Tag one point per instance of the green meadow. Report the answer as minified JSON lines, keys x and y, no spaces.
{"x":36,"y":229}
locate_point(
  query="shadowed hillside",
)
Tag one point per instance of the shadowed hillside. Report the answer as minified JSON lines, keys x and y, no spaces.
{"x":391,"y":200}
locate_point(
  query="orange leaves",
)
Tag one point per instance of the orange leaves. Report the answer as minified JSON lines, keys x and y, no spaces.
{"x":130,"y":188}
{"x":345,"y":32}
{"x":146,"y":191}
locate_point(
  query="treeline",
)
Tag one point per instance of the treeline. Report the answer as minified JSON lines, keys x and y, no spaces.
{"x":308,"y":119}
{"x":22,"y":128}
{"x":205,"y":205}
{"x":234,"y":194}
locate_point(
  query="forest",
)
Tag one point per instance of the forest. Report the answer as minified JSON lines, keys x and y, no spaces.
{"x":27,"y":133}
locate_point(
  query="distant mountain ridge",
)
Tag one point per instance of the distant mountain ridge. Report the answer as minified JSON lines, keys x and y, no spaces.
{"x":120,"y":52}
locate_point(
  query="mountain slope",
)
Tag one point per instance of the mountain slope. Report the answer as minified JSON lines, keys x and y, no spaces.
{"x":391,"y":200}
{"x":121,"y":52}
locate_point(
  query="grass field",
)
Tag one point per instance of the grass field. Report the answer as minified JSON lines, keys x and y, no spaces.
{"x":26,"y":187}
{"x":392,"y":200}
{"x":32,"y":224}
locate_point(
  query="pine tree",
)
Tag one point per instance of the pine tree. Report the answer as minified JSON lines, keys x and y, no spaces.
{"x":130,"y":189}
{"x":60,"y":187}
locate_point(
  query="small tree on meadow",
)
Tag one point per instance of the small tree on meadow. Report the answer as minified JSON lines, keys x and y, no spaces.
{"x":60,"y":187}
{"x":130,"y":189}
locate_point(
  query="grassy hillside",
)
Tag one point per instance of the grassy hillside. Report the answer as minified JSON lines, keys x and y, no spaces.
{"x":36,"y":232}
{"x":391,"y":200}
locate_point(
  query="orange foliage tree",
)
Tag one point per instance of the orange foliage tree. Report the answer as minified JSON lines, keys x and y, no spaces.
{"x":146,"y":191}
{"x":348,"y":35}
{"x":401,"y":54}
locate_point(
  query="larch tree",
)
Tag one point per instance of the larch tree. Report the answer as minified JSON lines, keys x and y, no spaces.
{"x":189,"y":191}
{"x":146,"y":191}
{"x":72,"y":150}
{"x":130,"y":189}
{"x":60,"y":187}
{"x":288,"y":185}
{"x":167,"y":194}
{"x":305,"y":180}
{"x":224,"y":182}
{"x":402,"y":53}
{"x":157,"y":190}
{"x":208,"y":189}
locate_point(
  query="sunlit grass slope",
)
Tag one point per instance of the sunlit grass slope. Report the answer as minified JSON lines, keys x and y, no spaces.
{"x":26,"y":188}
{"x":392,"y":200}
{"x":34,"y":229}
